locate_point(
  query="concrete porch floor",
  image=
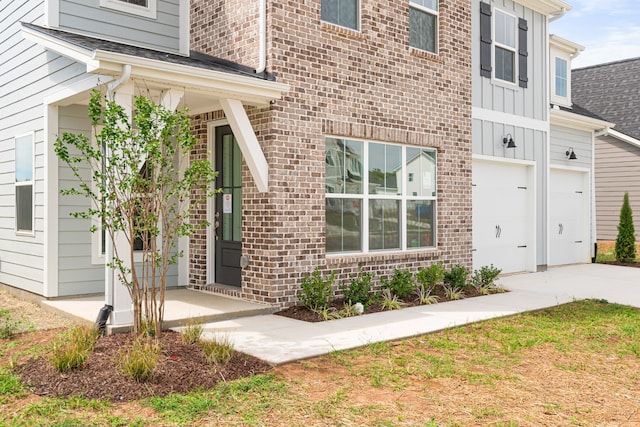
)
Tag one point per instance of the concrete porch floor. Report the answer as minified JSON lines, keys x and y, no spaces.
{"x":181,"y":306}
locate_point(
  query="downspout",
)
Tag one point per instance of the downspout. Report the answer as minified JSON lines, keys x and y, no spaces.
{"x":262,"y":34}
{"x":105,"y":311}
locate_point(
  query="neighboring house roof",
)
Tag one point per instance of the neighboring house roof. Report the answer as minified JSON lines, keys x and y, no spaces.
{"x":612,"y":92}
{"x":195,"y":59}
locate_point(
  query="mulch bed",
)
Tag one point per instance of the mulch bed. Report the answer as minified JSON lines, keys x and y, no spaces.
{"x":626,"y":264}
{"x":299,"y":312}
{"x":181,"y":368}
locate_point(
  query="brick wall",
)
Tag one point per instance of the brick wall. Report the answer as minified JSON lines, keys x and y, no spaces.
{"x":368,"y":85}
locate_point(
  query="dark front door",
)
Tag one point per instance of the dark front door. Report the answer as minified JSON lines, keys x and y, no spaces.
{"x":228,"y":215}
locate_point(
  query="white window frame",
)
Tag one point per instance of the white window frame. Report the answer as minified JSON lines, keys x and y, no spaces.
{"x":149,"y":11}
{"x":513,"y":49}
{"x":358,"y":20}
{"x":564,"y":101}
{"x":437,"y":32}
{"x":365,"y":197}
{"x":31,"y":182}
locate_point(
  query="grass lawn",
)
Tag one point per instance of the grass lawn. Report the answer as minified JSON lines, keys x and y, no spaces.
{"x":575,"y":364}
{"x":606,"y":251}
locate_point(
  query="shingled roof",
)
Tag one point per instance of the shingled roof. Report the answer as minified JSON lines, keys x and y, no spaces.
{"x":612,"y":92}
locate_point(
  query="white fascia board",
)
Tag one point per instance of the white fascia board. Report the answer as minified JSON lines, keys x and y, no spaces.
{"x":577,"y":121}
{"x":546,"y":7}
{"x":564,"y":45}
{"x":509,"y":119}
{"x":185,"y":26}
{"x":619,"y":135}
{"x":248,"y":89}
{"x":67,"y":94}
{"x":247,"y":141}
{"x":73,"y":52}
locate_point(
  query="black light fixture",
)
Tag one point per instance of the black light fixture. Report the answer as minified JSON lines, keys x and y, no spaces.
{"x":507,"y":141}
{"x":570,"y":154}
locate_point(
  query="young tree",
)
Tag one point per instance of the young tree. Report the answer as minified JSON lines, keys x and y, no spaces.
{"x":626,"y":240}
{"x":139,"y":191}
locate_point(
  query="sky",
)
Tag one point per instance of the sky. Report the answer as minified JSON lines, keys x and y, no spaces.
{"x":608,"y":29}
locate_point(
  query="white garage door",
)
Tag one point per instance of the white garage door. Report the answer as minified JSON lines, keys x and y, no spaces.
{"x":569,"y":216}
{"x":503,"y":216}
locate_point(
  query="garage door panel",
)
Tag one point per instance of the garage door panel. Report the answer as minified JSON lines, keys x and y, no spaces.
{"x":501,"y":221}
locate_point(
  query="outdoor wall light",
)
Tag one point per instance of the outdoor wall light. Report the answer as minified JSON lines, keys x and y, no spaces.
{"x":507,"y":141}
{"x":569,"y":154}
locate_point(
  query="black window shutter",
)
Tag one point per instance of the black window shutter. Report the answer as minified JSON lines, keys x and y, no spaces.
{"x":485,"y":40}
{"x":522,"y":52}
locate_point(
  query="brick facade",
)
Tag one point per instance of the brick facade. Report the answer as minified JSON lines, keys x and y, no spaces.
{"x":366,"y":84}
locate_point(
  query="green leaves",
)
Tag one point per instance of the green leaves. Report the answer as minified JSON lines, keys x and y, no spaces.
{"x":626,"y":239}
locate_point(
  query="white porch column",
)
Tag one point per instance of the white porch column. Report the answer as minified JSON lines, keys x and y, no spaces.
{"x":116,"y":293}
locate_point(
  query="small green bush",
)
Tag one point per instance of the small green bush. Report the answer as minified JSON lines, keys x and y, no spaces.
{"x":390,"y":301}
{"x":139,"y":360}
{"x":626,"y":239}
{"x":484,"y":279}
{"x":316,"y":291}
{"x":218,"y":350}
{"x":8,"y":325}
{"x":457,"y":277}
{"x":400,"y":284}
{"x":429,"y":277}
{"x":358,"y":289}
{"x":71,"y":350}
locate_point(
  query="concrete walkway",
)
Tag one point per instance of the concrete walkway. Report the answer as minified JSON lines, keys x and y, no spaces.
{"x":278,"y":339}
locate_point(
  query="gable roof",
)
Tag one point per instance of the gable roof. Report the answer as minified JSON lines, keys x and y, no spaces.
{"x":612,"y":92}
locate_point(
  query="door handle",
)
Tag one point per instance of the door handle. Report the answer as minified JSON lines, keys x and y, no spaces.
{"x":498,"y":231}
{"x":560,"y":229}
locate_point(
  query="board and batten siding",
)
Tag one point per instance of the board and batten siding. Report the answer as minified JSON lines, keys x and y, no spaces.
{"x":76,"y":273}
{"x":87,"y":17}
{"x":617,"y":170}
{"x":495,"y":95}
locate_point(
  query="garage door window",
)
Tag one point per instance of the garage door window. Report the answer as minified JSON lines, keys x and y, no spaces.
{"x":395,"y":210}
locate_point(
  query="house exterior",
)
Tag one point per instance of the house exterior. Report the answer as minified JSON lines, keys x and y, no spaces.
{"x":315,"y":113}
{"x":532,"y":204}
{"x":610,"y":91}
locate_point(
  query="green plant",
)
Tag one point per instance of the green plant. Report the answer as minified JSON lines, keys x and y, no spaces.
{"x":328,"y":313}
{"x":8,"y":325}
{"x":429,"y":277}
{"x":349,"y":310}
{"x":139,"y":360}
{"x":192,"y":332}
{"x":316,"y":290}
{"x":424,"y":295}
{"x":218,"y":350}
{"x":626,"y":239}
{"x":358,"y":289}
{"x":453,"y":293}
{"x":401,"y":283}
{"x":456,"y":277}
{"x":71,"y":350}
{"x":130,"y":170}
{"x":389,"y":301}
{"x":484,"y":279}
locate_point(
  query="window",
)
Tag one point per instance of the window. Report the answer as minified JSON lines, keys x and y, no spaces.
{"x":561,"y":77}
{"x":146,"y":8}
{"x":378,"y":196}
{"x":505,"y":47}
{"x":341,"y":12}
{"x":423,"y":25}
{"x":24,"y":183}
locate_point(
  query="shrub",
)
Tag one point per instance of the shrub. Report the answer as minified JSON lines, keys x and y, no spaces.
{"x":429,"y":277}
{"x":400,"y":284}
{"x":456,"y":277}
{"x":218,"y":350}
{"x":316,"y":291}
{"x":626,"y":239}
{"x":191,"y":333}
{"x":139,"y":360}
{"x":71,"y":350}
{"x":484,"y":279}
{"x":8,"y":325}
{"x":358,"y":289}
{"x":389,"y":301}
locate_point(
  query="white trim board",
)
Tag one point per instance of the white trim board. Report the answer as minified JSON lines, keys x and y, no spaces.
{"x":509,"y":119}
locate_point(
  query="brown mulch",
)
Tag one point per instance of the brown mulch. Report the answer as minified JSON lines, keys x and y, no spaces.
{"x":626,"y":264}
{"x":299,"y":312}
{"x":181,"y":368}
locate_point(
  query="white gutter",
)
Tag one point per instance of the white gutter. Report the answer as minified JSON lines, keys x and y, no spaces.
{"x":262,"y":30}
{"x":558,"y":15}
{"x":124,"y":78}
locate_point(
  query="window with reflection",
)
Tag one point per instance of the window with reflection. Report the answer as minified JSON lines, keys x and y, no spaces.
{"x":397,"y":209}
